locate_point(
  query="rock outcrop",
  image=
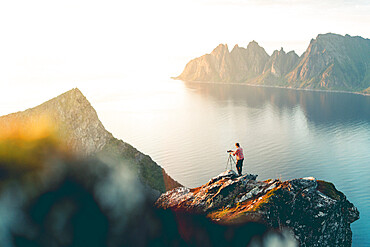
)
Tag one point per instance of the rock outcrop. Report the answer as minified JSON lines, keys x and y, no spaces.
{"x":277,"y":67}
{"x":73,"y":118}
{"x":221,"y":65}
{"x":331,"y":62}
{"x":248,"y":62}
{"x":77,"y":126}
{"x":316,"y":213}
{"x":216,"y":66}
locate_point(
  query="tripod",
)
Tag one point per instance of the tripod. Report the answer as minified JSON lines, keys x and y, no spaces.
{"x":230,"y":162}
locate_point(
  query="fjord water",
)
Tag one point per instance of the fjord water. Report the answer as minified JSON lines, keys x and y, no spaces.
{"x":187,"y":128}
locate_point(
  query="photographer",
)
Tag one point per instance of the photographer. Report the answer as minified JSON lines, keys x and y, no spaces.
{"x":239,"y":158}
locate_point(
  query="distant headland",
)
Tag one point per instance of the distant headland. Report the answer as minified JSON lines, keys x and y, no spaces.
{"x":331,"y":62}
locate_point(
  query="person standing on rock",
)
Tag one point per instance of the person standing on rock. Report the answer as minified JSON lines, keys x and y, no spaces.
{"x":239,"y":158}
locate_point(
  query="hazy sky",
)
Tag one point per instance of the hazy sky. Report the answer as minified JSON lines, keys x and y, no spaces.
{"x":59,"y":44}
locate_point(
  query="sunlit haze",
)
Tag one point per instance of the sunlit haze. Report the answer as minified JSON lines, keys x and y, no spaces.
{"x":48,"y":47}
{"x":91,"y":165}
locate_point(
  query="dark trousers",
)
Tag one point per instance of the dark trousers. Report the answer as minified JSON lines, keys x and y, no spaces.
{"x":239,"y":166}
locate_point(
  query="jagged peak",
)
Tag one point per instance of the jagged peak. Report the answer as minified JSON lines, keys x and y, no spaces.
{"x":275,"y":53}
{"x":278,"y":52}
{"x":292,"y":52}
{"x":356,"y":37}
{"x":66,"y":106}
{"x":252,"y":44}
{"x":281,"y":51}
{"x":221,"y":48}
{"x":323,"y":35}
{"x":70,"y":97}
{"x":73,"y":92}
{"x":237,"y":48}
{"x":329,"y":37}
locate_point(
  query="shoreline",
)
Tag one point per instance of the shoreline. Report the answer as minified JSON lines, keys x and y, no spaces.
{"x":271,"y":86}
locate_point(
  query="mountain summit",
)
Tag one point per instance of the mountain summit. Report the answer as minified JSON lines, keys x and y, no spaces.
{"x":73,"y":118}
{"x":77,"y":127}
{"x":331,"y":62}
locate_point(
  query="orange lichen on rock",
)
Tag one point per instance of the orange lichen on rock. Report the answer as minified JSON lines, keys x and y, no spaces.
{"x":244,"y":211}
{"x":305,"y":205}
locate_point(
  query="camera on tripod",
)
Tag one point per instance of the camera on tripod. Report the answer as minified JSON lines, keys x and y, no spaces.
{"x":230,"y":161}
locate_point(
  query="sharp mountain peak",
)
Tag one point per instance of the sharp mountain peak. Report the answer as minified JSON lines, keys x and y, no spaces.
{"x":78,"y":127}
{"x":330,"y":62}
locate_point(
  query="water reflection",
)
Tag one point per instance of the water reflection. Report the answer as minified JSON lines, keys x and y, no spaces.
{"x":291,"y":133}
{"x":285,"y":134}
{"x":318,"y":107}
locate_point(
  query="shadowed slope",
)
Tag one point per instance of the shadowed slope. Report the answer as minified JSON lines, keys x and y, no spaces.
{"x":78,"y":128}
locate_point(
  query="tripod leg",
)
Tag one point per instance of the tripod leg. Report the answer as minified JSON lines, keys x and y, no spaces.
{"x":227,"y":163}
{"x":230,"y":161}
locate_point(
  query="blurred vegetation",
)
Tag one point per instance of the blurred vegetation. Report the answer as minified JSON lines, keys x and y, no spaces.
{"x":26,"y":148}
{"x":329,"y":190}
{"x":28,"y":145}
{"x":122,"y":153}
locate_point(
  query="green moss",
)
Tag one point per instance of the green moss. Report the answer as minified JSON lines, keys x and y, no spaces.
{"x":20,"y":156}
{"x":265,"y":200}
{"x":329,"y":190}
{"x":124,"y":154}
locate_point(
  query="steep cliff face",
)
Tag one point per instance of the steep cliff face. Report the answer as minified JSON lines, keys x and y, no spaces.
{"x":216,"y":66}
{"x":249,"y":62}
{"x":78,"y":128}
{"x":73,"y":118}
{"x":334,"y":61}
{"x":221,"y":65}
{"x":331,"y":62}
{"x":317,"y":213}
{"x":277,"y":67}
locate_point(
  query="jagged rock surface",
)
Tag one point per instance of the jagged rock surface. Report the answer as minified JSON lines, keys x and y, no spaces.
{"x":277,"y":67}
{"x":78,"y":127}
{"x":248,"y":63}
{"x":317,"y":213}
{"x":334,"y":61}
{"x":221,"y":65}
{"x":75,"y":120}
{"x":331,"y":62}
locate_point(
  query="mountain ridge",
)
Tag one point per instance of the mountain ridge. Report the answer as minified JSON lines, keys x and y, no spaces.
{"x":330,"y":62}
{"x":78,"y":128}
{"x":65,"y":112}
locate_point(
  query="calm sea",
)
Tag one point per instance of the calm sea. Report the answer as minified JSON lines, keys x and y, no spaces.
{"x":188,"y":127}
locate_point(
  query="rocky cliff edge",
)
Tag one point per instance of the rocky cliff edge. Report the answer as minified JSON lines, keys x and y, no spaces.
{"x":314,"y":210}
